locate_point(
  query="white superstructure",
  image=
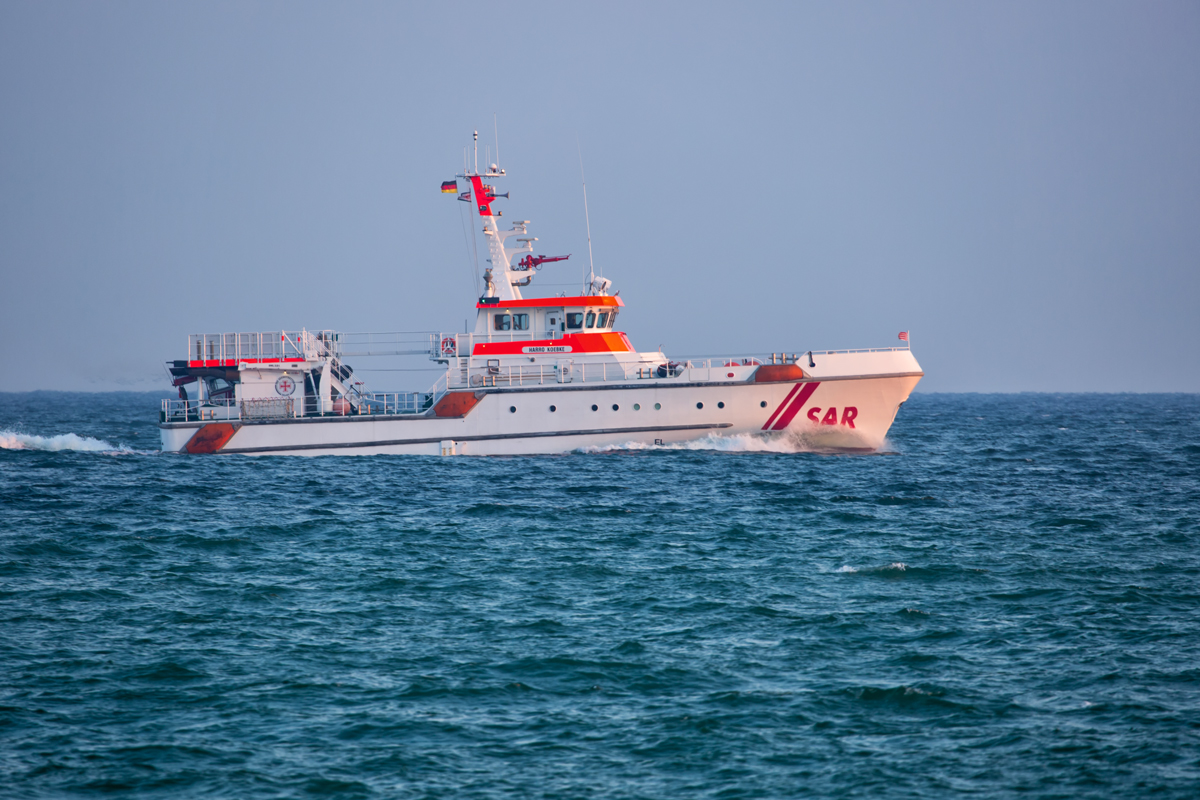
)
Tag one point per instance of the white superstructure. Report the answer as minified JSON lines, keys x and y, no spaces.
{"x":537,"y":375}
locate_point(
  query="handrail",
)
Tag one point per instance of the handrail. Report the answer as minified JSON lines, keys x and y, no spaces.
{"x":198,"y":410}
{"x":262,"y":346}
{"x":859,"y":350}
{"x":367,"y":404}
{"x":326,"y":343}
{"x":465,"y":375}
{"x":791,"y":355}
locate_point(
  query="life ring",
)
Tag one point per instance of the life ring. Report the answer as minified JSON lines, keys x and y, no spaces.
{"x":449,"y":348}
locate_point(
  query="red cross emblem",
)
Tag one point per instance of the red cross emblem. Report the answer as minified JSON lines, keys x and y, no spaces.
{"x":285,"y":385}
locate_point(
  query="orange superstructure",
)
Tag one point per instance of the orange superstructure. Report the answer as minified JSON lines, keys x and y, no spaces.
{"x":553,"y":302}
{"x":571,"y":343}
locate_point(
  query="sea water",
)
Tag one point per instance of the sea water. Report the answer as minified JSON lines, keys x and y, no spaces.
{"x":1004,"y":602}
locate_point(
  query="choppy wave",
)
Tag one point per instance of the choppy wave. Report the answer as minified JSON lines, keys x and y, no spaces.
{"x":12,"y":440}
{"x":895,"y":566}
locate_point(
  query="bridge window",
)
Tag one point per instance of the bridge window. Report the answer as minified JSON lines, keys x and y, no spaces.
{"x":503,"y":322}
{"x":520,"y":322}
{"x":575,"y":320}
{"x":219,"y":389}
{"x":591,"y":319}
{"x":612,"y":321}
{"x":603,"y":321}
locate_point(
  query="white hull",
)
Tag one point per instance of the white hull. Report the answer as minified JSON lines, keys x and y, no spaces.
{"x":847,"y":404}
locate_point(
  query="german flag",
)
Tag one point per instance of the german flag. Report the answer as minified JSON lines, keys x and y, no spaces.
{"x":449,"y":187}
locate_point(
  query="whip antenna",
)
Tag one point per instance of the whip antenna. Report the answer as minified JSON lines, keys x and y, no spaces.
{"x":496,"y":128}
{"x":587,"y":220}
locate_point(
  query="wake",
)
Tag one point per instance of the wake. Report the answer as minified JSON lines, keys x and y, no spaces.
{"x":735,"y":443}
{"x":12,"y":440}
{"x":738,"y":443}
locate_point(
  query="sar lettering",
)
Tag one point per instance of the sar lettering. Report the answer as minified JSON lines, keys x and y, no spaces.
{"x":831,"y":416}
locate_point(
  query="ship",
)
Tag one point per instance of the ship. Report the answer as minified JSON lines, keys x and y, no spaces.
{"x":536,"y":375}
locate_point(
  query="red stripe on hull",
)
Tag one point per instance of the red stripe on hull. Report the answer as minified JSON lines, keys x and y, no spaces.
{"x":775,"y":413}
{"x":797,"y":404}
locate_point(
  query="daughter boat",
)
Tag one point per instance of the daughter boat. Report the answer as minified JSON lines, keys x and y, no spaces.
{"x":537,"y":375}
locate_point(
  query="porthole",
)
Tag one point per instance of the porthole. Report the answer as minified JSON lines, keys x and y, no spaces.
{"x":721,"y":404}
{"x":595,"y":407}
{"x":657,"y":406}
{"x":699,"y":405}
{"x":637,"y":406}
{"x":763,"y":404}
{"x":616,"y":407}
{"x":512,"y":409}
{"x":553,"y":409}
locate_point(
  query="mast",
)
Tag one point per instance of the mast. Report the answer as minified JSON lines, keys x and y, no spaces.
{"x":505,"y":276}
{"x":588,"y":221}
{"x":502,"y":280}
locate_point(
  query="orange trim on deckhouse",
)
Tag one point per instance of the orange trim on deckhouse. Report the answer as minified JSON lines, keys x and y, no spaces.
{"x":556,"y":302}
{"x":571,"y":343}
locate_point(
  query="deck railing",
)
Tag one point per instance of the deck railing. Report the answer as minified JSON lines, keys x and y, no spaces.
{"x":394,"y":403}
{"x":375,"y":403}
{"x":859,"y":350}
{"x":267,"y":408}
{"x":440,"y":345}
{"x":261,"y":346}
{"x":565,"y":370}
{"x":198,"y":410}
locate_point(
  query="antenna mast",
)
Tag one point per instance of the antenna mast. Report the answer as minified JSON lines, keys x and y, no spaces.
{"x":496,"y":128}
{"x":476,"y":152}
{"x":586,"y":218}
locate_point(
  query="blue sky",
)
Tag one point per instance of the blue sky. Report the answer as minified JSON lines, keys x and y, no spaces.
{"x":1017,"y":183}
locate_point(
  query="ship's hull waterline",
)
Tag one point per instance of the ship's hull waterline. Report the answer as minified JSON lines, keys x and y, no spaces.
{"x":848,"y":414}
